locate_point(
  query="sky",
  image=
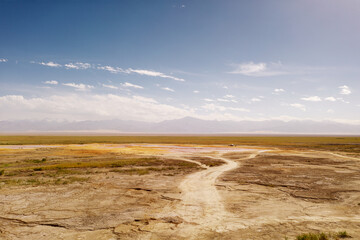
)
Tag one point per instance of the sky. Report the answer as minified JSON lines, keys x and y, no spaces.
{"x":168,"y":59}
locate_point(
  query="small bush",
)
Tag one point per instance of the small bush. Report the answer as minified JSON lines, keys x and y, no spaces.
{"x":312,"y":236}
{"x":2,"y":172}
{"x":37,"y":169}
{"x":343,"y":234}
{"x":322,"y":236}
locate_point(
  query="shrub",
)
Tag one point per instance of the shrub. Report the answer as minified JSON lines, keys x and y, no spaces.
{"x":343,"y":234}
{"x":312,"y":236}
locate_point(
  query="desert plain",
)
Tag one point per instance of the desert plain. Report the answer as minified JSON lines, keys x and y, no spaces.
{"x":63,"y":187}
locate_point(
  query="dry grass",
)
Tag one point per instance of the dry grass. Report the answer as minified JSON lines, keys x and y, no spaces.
{"x":323,"y":236}
{"x":45,"y":166}
{"x":347,"y":144}
{"x":208,"y":161}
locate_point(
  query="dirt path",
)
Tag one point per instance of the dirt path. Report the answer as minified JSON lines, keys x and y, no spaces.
{"x":343,"y":156}
{"x":201,"y":204}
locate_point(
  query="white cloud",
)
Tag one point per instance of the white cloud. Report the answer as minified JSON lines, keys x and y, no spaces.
{"x":229,"y":96}
{"x":84,"y":107}
{"x":110,"y":86}
{"x":195,"y":91}
{"x":214,"y":107}
{"x":298,"y":106}
{"x":153,"y":74}
{"x":226,"y":100}
{"x":112,"y":69}
{"x":126,"y":84}
{"x":345,"y":90}
{"x":223,"y":100}
{"x":342,"y":100}
{"x":3,"y":60}
{"x":258,"y":69}
{"x":278,"y":91}
{"x":78,"y":65}
{"x":330,"y":111}
{"x":255,"y":100}
{"x":168,"y":89}
{"x":330,"y":99}
{"x":79,"y":87}
{"x":50,"y":64}
{"x":312,"y":99}
{"x":208,"y":100}
{"x":139,"y":71}
{"x":52,"y":82}
{"x":145,"y":99}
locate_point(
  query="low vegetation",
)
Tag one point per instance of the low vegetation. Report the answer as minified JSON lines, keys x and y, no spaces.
{"x":323,"y":236}
{"x":210,"y":162}
{"x":346,"y":144}
{"x":34,"y":167}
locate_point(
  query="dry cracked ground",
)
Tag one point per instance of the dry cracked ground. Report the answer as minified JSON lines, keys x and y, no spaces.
{"x":143,"y":191}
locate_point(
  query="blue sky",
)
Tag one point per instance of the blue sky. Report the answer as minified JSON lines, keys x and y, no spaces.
{"x":161,"y":60}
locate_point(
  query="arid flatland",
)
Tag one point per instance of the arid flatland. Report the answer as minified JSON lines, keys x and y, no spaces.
{"x":178,"y":187}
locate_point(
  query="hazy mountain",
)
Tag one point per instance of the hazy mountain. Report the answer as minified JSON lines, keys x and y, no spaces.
{"x":184,"y":125}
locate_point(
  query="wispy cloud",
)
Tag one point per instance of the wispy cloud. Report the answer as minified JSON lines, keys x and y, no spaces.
{"x":110,"y":86}
{"x":79,"y":87}
{"x":208,"y":100}
{"x":195,"y":91}
{"x":214,"y":107}
{"x":50,"y":64}
{"x":312,"y":99}
{"x":52,"y":82}
{"x":255,"y":100}
{"x":81,"y":65}
{"x":330,"y":99}
{"x":78,"y":65}
{"x":3,"y":60}
{"x":168,"y":89}
{"x":112,"y":69}
{"x":229,"y":96}
{"x":297,"y":105}
{"x":258,"y":69}
{"x":153,"y":74}
{"x":345,"y":90}
{"x":126,"y":84}
{"x":226,"y":100}
{"x":342,"y":100}
{"x":278,"y":91}
{"x":139,"y":71}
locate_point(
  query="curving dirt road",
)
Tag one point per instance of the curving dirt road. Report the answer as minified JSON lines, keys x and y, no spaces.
{"x":201,"y":204}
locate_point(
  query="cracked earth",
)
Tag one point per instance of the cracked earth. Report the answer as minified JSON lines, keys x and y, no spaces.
{"x":215,"y":193}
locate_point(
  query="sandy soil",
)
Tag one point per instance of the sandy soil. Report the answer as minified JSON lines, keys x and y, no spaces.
{"x":248,"y":194}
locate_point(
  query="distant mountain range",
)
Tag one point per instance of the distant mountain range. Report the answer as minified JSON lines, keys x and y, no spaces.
{"x":186,"y":125}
